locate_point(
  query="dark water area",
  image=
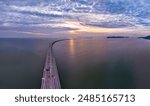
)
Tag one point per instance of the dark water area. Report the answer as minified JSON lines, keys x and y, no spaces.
{"x":22,"y":62}
{"x":104,"y":63}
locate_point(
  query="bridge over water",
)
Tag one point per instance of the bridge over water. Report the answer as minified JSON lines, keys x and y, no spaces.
{"x":50,"y":78}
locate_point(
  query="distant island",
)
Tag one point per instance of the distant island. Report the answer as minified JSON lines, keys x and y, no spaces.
{"x":117,"y":37}
{"x":146,"y":37}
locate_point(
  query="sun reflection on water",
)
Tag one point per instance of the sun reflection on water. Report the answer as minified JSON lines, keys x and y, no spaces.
{"x":72,"y":46}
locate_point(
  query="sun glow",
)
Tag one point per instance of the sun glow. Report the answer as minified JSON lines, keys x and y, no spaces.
{"x":87,"y":29}
{"x":72,"y":32}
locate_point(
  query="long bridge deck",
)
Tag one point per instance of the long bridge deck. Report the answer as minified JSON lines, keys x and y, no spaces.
{"x":50,"y":78}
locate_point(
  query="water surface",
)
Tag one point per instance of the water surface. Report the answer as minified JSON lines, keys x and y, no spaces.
{"x":22,"y":62}
{"x":104,"y":63}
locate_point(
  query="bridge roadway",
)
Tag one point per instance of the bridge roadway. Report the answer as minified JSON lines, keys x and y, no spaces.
{"x":50,"y":78}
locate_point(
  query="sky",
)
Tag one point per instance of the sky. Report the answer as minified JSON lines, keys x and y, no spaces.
{"x":51,"y":18}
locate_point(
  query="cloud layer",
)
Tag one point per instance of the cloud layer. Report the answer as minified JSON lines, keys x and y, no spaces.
{"x":75,"y":14}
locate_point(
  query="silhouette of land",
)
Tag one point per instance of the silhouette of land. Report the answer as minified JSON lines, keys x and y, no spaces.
{"x":117,"y":37}
{"x":146,"y":37}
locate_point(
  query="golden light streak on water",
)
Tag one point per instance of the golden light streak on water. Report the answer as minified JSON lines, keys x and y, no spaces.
{"x":72,"y":46}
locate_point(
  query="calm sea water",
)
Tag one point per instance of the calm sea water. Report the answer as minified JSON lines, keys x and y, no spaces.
{"x":88,"y":63}
{"x":104,"y":63}
{"x":22,"y":62}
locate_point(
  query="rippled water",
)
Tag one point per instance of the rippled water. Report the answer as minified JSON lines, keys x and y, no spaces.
{"x":104,"y":63}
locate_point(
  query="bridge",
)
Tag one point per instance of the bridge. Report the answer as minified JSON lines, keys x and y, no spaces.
{"x":50,"y":78}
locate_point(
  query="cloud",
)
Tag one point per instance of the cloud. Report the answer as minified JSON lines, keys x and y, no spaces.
{"x":75,"y":14}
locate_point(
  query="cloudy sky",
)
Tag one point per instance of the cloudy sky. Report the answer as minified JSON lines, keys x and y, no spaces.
{"x":73,"y":17}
